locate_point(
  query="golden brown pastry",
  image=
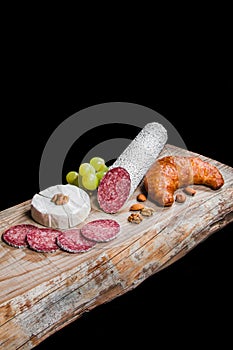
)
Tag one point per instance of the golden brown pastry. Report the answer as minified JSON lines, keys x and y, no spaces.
{"x":169,"y":173}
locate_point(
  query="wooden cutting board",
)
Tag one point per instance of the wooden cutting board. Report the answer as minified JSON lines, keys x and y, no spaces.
{"x":41,"y":293}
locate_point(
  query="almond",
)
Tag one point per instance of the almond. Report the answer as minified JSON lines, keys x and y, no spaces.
{"x":190,"y":191}
{"x":141,"y":197}
{"x":136,"y":206}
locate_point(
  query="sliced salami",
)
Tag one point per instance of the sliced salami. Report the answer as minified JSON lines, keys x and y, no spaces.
{"x":101,"y":230}
{"x":43,"y":239}
{"x":16,"y":235}
{"x":72,"y":241}
{"x":114,"y":190}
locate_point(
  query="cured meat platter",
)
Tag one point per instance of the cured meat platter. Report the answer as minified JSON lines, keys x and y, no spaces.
{"x":42,"y":292}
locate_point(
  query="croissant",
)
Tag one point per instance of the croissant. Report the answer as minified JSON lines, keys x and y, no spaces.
{"x":169,"y":173}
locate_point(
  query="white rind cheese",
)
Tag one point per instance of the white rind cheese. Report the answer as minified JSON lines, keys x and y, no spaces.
{"x":70,"y":214}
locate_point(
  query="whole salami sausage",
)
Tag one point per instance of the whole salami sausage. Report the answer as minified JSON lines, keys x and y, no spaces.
{"x":126,"y":173}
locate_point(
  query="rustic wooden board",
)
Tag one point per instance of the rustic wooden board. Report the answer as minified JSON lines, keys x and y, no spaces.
{"x":41,"y":293}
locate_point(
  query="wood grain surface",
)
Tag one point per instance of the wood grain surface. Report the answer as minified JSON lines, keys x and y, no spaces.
{"x":41,"y":293}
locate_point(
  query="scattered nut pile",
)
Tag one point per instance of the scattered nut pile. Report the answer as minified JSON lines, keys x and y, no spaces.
{"x":139,"y":210}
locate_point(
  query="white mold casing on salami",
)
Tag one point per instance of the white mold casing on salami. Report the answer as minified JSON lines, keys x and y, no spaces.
{"x":70,"y":214}
{"x":137,"y":158}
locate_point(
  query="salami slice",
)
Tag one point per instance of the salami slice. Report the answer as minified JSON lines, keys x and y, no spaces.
{"x":101,"y":230}
{"x":72,"y":241}
{"x":114,"y":189}
{"x":43,"y":239}
{"x":16,"y":235}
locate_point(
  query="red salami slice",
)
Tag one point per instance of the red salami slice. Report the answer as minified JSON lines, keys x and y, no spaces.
{"x":43,"y":239}
{"x":16,"y":235}
{"x":102,"y":230}
{"x":72,"y":241}
{"x":113,"y":190}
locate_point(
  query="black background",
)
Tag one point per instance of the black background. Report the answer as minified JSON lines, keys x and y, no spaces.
{"x":189,"y":302}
